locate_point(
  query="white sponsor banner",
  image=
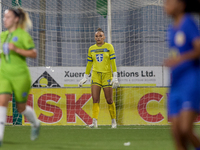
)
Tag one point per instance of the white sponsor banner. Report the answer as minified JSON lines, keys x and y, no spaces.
{"x":140,"y":75}
{"x":64,"y":76}
{"x":61,"y":75}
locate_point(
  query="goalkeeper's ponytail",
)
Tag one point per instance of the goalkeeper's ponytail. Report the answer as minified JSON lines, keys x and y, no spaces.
{"x":24,"y":20}
{"x":99,"y":30}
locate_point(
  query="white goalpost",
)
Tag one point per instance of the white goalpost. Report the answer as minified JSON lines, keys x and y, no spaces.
{"x":109,"y":22}
{"x":63,"y":30}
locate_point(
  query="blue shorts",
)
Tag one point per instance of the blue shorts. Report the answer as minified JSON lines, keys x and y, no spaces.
{"x":185,"y":95}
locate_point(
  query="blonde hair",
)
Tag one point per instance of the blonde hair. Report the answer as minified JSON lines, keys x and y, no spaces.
{"x":24,"y":20}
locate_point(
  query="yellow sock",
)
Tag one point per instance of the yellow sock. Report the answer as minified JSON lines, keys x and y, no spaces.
{"x":95,"y":110}
{"x":112,"y":110}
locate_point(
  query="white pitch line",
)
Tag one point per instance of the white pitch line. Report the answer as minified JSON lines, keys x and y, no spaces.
{"x":110,"y":128}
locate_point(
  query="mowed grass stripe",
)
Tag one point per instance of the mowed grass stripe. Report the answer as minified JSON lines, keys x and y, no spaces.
{"x":80,"y":138}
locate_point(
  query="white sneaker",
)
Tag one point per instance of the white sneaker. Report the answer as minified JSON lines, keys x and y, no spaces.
{"x":114,"y":124}
{"x":94,"y":124}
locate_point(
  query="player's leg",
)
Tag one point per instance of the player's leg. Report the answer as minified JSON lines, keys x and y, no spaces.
{"x":174,"y":105}
{"x":21,"y":90}
{"x":5,"y":94}
{"x":95,"y":91}
{"x":108,"y":92}
{"x":29,"y":113}
{"x":190,"y":107}
{"x":187,"y":128}
{"x":4,"y":99}
{"x":180,"y":141}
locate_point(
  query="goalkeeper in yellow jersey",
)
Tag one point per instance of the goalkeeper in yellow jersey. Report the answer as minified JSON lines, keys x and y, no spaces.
{"x":101,"y":56}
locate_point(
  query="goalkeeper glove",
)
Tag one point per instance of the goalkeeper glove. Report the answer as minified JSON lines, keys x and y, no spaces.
{"x":114,"y":81}
{"x":83,"y":80}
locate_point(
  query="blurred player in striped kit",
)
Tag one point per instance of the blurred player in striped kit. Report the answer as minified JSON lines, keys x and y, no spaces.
{"x":184,"y":94}
{"x":101,"y":56}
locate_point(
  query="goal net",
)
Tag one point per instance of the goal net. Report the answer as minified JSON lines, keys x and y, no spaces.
{"x":63,"y":30}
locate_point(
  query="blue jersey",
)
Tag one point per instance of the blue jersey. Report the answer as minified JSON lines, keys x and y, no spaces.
{"x":181,"y":40}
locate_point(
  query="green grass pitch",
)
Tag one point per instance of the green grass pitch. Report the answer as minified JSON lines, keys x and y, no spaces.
{"x":80,"y":138}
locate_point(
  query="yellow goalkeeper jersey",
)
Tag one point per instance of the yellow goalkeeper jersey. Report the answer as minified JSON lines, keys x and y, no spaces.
{"x":101,"y":56}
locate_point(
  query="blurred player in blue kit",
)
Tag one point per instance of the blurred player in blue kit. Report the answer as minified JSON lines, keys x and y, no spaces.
{"x":184,"y":94}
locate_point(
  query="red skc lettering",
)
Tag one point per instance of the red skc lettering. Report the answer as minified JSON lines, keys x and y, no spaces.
{"x":57,"y":112}
{"x":75,"y":108}
{"x":198,"y":119}
{"x":142,"y":107}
